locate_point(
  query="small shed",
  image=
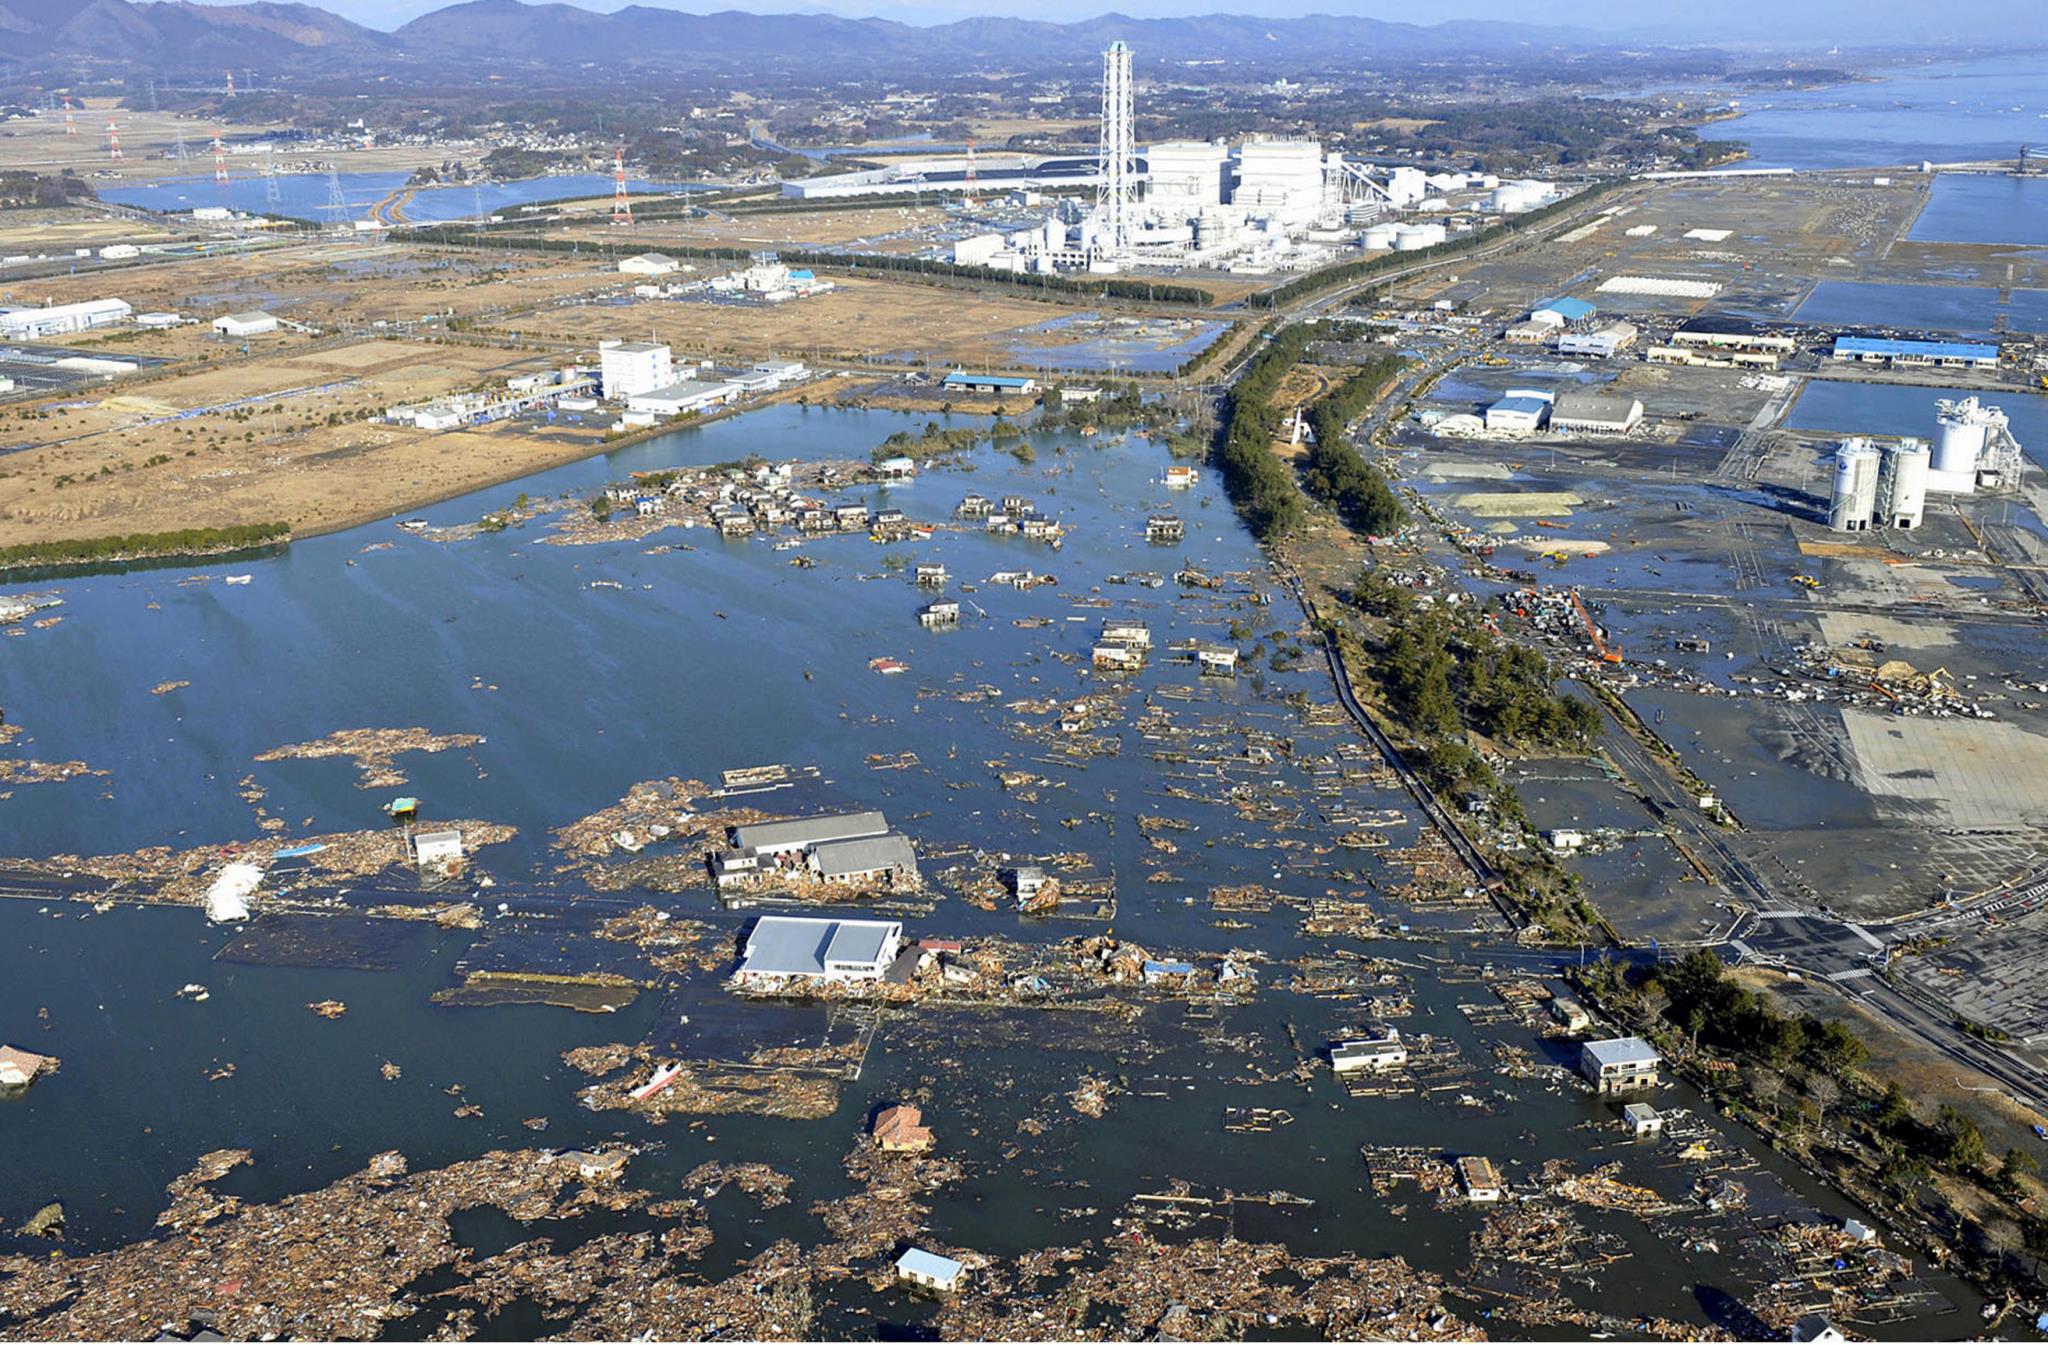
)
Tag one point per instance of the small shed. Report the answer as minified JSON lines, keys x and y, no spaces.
{"x":432,"y":848}
{"x":1641,"y":1119}
{"x":929,"y":1270}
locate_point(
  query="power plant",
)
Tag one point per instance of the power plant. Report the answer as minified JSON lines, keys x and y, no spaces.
{"x":1259,"y":206}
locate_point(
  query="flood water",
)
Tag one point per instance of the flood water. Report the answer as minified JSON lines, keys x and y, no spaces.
{"x":1982,"y":208}
{"x":716,"y":655}
{"x":308,"y":196}
{"x":1841,"y":407}
{"x":1963,"y":309}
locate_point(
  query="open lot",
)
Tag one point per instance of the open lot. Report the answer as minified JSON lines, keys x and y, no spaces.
{"x":271,"y":439}
{"x":859,"y":320}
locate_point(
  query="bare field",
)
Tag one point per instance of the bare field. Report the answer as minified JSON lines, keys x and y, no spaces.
{"x":177,"y":452}
{"x":325,"y":283}
{"x":801,"y":228}
{"x":149,"y":144}
{"x":859,"y":319}
{"x":60,"y":230}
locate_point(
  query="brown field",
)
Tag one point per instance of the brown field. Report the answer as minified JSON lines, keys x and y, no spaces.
{"x":279,"y":461}
{"x":861,"y":318}
{"x":36,"y":231}
{"x":325,"y":283}
{"x":149,"y":143}
{"x":820,"y":228}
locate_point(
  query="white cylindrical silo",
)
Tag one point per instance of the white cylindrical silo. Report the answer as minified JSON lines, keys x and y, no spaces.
{"x":1905,"y":473}
{"x":1378,"y":237}
{"x":1855,"y":496}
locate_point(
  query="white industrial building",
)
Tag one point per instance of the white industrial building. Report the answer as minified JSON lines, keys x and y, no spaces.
{"x":683,"y":397}
{"x":1902,"y":485}
{"x":1186,"y":175}
{"x":1281,"y":178}
{"x":1520,"y":412}
{"x":786,"y":948}
{"x":1973,"y":446}
{"x":241,"y":326}
{"x":29,"y":324}
{"x":1370,"y":1052}
{"x":1602,"y":342}
{"x":1595,"y":413}
{"x":629,"y":368}
{"x":650,"y":264}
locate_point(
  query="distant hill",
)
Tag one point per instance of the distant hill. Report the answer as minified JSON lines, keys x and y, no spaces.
{"x":174,"y":34}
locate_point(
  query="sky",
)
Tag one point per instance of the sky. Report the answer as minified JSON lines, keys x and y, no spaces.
{"x":1745,"y":22}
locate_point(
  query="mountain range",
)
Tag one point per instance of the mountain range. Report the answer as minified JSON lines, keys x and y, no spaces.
{"x":165,"y":36}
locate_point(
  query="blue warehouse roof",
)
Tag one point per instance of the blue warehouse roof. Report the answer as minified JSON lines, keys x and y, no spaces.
{"x":1940,"y":350}
{"x":1571,"y":309}
{"x":959,"y":379}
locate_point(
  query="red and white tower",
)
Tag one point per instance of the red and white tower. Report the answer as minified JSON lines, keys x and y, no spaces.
{"x":231,"y":83}
{"x":622,"y":204}
{"x":220,"y":162}
{"x":70,"y":123}
{"x":113,"y":141}
{"x":970,"y":200}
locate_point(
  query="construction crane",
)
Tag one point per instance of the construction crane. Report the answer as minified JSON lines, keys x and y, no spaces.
{"x":1607,"y":653}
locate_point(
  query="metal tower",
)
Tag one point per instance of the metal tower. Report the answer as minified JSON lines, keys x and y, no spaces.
{"x":969,"y":200}
{"x":231,"y":83}
{"x":337,"y":201}
{"x":1118,"y":156}
{"x":622,"y":204}
{"x":179,"y":151}
{"x":220,"y":162}
{"x":70,"y":126}
{"x":272,"y":197}
{"x":113,"y":141}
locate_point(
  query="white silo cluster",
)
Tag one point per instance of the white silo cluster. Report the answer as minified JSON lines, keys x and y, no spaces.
{"x":1857,"y":464}
{"x":1415,"y":237}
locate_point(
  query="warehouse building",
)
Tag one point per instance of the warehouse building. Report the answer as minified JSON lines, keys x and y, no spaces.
{"x":1602,"y":342}
{"x":1595,"y":413}
{"x":650,"y":264}
{"x":241,"y":326}
{"x":1732,"y":334}
{"x":1518,"y":413}
{"x":887,"y":858}
{"x":683,"y":397}
{"x":1559,"y":312}
{"x":29,"y":324}
{"x":1916,"y":354}
{"x":784,"y":948}
{"x":961,"y":381}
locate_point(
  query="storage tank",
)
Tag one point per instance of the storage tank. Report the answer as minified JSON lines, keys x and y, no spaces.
{"x":1379,"y":237}
{"x":1905,"y":483}
{"x":1855,"y":499}
{"x":1415,"y":237}
{"x":1963,"y":428}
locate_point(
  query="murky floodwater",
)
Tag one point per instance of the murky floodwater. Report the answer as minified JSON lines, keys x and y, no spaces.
{"x":714,"y":655}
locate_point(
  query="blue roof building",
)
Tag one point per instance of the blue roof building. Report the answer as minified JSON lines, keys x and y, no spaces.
{"x":1874,"y":350}
{"x":962,"y":381}
{"x":1571,"y":310}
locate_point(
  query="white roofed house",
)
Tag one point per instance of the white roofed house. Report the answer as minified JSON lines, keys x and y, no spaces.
{"x":1620,"y":1064}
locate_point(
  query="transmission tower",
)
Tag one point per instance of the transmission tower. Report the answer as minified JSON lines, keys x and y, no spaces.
{"x":272,"y":197}
{"x":179,"y":151}
{"x":1118,"y":156}
{"x":231,"y":83}
{"x":113,"y":141}
{"x":622,"y":204}
{"x":337,"y":203}
{"x":70,"y":125}
{"x":220,"y":162}
{"x":969,"y":200}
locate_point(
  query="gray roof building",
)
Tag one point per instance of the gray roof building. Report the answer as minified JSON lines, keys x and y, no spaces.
{"x":863,"y":856}
{"x":820,"y":949}
{"x":802,"y":833}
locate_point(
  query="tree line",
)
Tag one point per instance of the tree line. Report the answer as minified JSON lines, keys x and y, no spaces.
{"x":142,"y":545}
{"x":1338,"y":473}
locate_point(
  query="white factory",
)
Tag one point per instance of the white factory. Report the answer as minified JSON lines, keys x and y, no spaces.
{"x":1260,"y":205}
{"x":1885,"y":485}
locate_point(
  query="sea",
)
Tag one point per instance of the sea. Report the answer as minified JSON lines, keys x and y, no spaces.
{"x":312,"y":196}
